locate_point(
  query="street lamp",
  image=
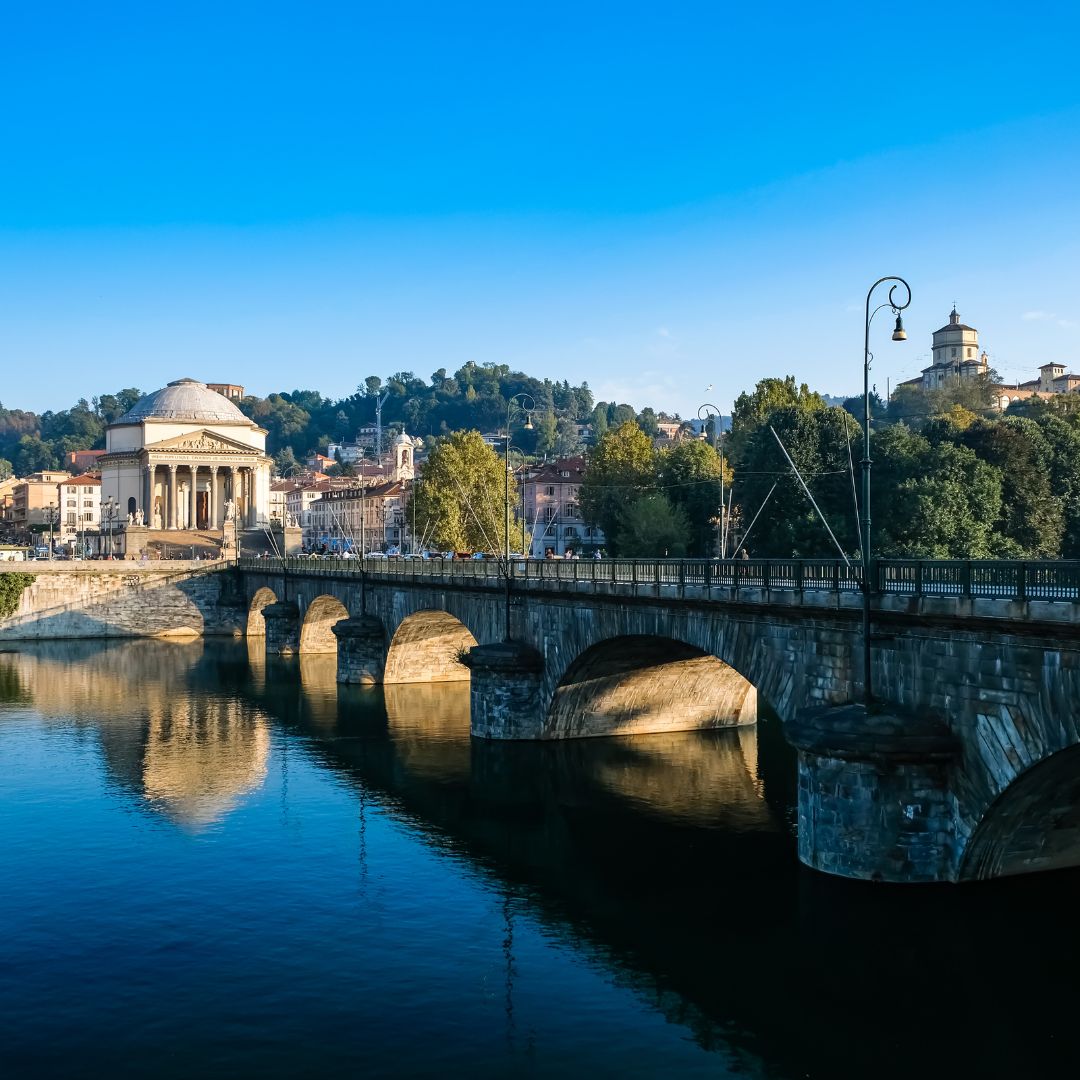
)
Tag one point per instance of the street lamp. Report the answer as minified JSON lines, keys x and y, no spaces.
{"x":51,"y":514}
{"x":517,"y":449}
{"x":526,"y":405}
{"x":710,"y":411}
{"x":899,"y":334}
{"x":107,"y":510}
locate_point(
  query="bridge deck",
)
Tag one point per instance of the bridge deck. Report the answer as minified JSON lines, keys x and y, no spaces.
{"x":987,"y":579}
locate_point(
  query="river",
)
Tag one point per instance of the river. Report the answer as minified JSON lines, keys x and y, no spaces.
{"x":212,"y":864}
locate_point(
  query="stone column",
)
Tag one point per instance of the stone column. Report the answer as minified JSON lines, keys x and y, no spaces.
{"x":505,"y":691}
{"x":874,"y":794}
{"x":361,"y":650}
{"x":193,"y":520}
{"x":174,"y":497}
{"x":282,"y":628}
{"x":148,"y":496}
{"x":212,"y":500}
{"x":249,"y":497}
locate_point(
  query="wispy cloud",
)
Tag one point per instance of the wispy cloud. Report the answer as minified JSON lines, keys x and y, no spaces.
{"x":1046,"y":316}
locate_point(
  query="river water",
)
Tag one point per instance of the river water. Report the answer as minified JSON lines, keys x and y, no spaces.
{"x":214,"y":865}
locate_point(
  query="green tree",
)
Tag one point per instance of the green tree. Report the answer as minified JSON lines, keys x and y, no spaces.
{"x":689,"y":475}
{"x":753,"y":410}
{"x":932,"y":502}
{"x":1031,"y":523}
{"x":567,"y":440}
{"x":459,"y":496}
{"x":648,"y":423}
{"x":6,"y":469}
{"x":650,"y":527}
{"x":547,"y":426}
{"x":622,"y":465}
{"x":285,"y":462}
{"x":818,"y":440}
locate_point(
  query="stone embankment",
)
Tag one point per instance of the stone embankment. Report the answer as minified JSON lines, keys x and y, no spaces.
{"x":172,"y":599}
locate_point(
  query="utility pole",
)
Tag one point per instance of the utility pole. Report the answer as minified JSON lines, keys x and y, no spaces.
{"x":379,"y":402}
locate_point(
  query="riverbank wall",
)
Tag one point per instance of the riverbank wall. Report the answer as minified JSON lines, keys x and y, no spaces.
{"x":179,"y":599}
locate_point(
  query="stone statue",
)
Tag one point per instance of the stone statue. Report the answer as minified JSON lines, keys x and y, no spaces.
{"x":230,"y":510}
{"x":140,"y":517}
{"x":131,"y":519}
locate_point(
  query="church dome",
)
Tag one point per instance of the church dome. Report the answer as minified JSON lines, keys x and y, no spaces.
{"x":403,"y":440}
{"x":185,"y":399}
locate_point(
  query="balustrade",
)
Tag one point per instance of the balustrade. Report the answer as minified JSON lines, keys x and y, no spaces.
{"x":978,"y":579}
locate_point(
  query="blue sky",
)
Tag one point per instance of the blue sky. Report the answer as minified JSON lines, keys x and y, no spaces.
{"x":655,"y":198}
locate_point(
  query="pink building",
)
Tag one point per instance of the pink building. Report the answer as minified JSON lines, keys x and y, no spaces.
{"x":553,"y":510}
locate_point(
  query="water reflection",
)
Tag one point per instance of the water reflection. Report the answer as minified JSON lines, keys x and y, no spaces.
{"x":189,"y":757}
{"x":666,"y":861}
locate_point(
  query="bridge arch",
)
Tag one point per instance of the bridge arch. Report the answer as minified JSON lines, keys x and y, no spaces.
{"x":645,"y":683}
{"x":256,"y":624}
{"x":427,"y":646}
{"x":316,"y":635}
{"x":1033,"y":825}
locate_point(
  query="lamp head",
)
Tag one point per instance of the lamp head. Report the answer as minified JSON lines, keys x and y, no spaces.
{"x":528,"y":422}
{"x":899,"y":334}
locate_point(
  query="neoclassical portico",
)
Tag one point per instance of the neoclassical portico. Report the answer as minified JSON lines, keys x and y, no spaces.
{"x":185,"y":457}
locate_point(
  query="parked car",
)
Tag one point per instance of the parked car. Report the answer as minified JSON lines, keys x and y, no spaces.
{"x":376,"y":555}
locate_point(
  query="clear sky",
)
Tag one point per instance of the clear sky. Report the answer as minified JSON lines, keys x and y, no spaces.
{"x":653,"y":197}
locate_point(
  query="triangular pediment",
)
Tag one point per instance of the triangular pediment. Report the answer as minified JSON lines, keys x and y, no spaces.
{"x":204,"y":441}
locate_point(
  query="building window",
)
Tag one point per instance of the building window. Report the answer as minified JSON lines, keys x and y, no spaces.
{"x":88,"y":504}
{"x":550,"y":512}
{"x":571,"y":533}
{"x":88,"y":517}
{"x":551,"y":491}
{"x":565,"y":475}
{"x":571,"y":510}
{"x":954,"y":350}
{"x":73,"y":502}
{"x":71,"y":519}
{"x":88,"y":491}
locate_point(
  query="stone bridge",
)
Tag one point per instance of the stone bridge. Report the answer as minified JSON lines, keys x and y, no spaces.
{"x":969,"y":770}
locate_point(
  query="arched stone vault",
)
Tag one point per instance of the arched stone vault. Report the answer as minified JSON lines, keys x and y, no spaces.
{"x":427,"y":646}
{"x":634,"y":685}
{"x":316,"y":635}
{"x":256,"y":624}
{"x":1033,"y":825}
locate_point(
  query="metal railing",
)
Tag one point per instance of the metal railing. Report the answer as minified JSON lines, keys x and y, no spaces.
{"x":1004,"y":580}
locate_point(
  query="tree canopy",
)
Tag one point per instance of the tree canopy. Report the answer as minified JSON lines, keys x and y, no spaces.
{"x":459,"y":497}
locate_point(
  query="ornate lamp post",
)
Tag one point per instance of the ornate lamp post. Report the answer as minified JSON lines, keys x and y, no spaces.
{"x":525,"y":404}
{"x":704,"y":413}
{"x":107,"y":512}
{"x":898,"y":334}
{"x":518,"y":450}
{"x":51,"y":512}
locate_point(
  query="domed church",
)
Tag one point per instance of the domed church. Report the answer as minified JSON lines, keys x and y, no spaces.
{"x":185,"y":457}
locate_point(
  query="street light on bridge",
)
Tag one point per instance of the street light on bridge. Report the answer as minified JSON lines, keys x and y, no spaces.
{"x":706,"y":412}
{"x":899,"y":334}
{"x":525,"y":404}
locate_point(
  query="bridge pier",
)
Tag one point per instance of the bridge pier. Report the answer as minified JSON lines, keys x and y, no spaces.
{"x":505,"y":692}
{"x":874,"y":794}
{"x":361,"y":650}
{"x":282,"y":628}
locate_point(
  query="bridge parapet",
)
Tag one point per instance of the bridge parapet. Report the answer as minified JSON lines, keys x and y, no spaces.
{"x":1031,"y":593}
